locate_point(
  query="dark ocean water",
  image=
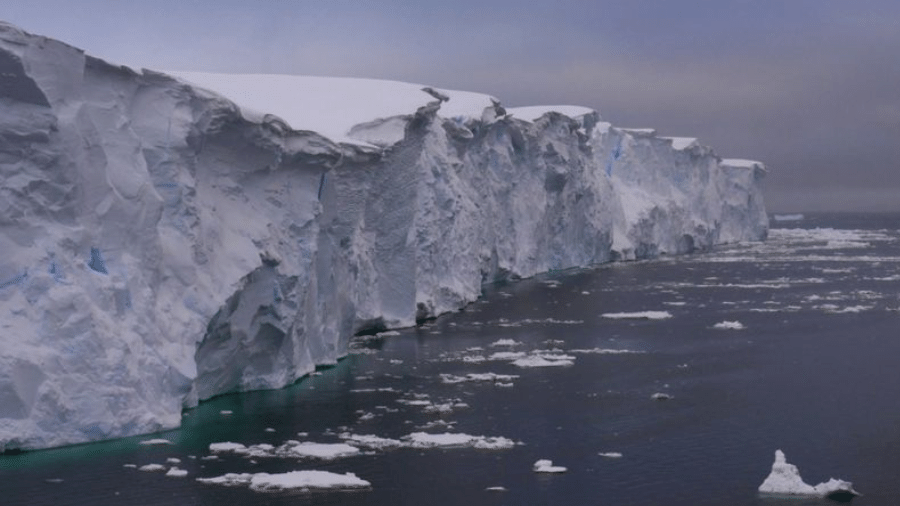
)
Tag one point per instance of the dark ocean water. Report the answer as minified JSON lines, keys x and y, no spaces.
{"x":813,"y":372}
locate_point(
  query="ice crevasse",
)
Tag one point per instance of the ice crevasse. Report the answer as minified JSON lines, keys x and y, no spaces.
{"x":167,"y":238}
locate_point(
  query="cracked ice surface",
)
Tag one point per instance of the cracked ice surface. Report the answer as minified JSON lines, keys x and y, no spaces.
{"x":165,"y":243}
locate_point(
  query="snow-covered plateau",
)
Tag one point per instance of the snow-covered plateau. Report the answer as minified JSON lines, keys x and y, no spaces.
{"x":168,"y":238}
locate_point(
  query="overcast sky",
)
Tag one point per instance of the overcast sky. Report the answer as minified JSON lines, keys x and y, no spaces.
{"x":810,"y":87}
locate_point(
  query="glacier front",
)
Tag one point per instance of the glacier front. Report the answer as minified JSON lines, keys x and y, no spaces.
{"x":168,"y":238}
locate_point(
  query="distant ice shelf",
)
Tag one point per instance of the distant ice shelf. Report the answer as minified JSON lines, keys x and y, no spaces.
{"x":169,"y":238}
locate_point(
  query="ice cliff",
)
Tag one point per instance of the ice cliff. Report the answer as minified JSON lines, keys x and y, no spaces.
{"x":161,"y":244}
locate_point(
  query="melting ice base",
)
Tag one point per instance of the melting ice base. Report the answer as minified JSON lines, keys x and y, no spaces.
{"x":164,"y":242}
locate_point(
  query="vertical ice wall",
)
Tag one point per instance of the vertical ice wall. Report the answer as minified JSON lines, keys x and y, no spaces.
{"x":159,"y":248}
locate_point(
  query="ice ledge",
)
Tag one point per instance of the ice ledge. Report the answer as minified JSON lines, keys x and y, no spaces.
{"x":164,"y":245}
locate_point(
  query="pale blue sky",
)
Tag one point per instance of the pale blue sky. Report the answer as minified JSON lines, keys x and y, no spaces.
{"x":808,"y":86}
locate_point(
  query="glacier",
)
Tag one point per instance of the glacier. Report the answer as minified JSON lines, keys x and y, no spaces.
{"x":167,"y":238}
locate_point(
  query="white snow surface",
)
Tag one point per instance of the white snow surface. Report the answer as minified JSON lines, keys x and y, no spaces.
{"x":310,"y":102}
{"x":165,"y":243}
{"x":785,"y":480}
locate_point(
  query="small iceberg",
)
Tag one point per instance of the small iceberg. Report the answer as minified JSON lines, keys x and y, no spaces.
{"x":729,"y":325}
{"x":152,"y":468}
{"x":155,"y":442}
{"x":294,"y":480}
{"x":176,"y":473}
{"x":785,"y":480}
{"x":546,"y":466}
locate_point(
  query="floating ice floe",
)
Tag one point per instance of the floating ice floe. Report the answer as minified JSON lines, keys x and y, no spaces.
{"x":477,"y":377}
{"x":447,"y":439}
{"x":227,"y":447}
{"x":611,"y":455}
{"x":546,"y":466}
{"x":530,"y":321}
{"x":294,"y":480}
{"x":537,"y":358}
{"x":639,"y":315}
{"x":322,"y":450}
{"x":507,"y":355}
{"x":414,"y":402}
{"x":371,"y":442}
{"x":436,"y":424}
{"x":505,"y":342}
{"x":659,"y":396}
{"x":729,"y":325}
{"x":544,"y":360}
{"x":602,"y":351}
{"x":445,"y":407}
{"x":848,"y":309}
{"x":785,"y":480}
{"x":372,"y":390}
{"x":155,"y":442}
{"x":176,"y":473}
{"x":153,"y":468}
{"x":290,"y":449}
